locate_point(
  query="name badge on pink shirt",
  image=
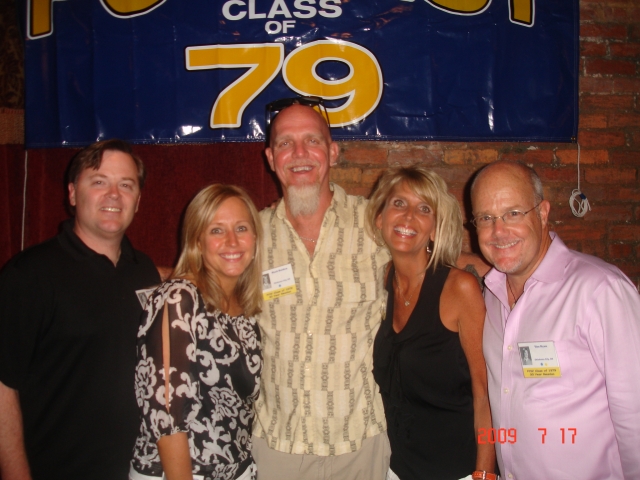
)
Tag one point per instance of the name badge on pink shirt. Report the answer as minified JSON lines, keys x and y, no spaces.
{"x":539,"y":360}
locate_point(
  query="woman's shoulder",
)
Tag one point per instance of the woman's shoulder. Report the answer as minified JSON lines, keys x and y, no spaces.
{"x":461,"y":282}
{"x":462,"y":298}
{"x":174,"y":284}
{"x":173,"y":290}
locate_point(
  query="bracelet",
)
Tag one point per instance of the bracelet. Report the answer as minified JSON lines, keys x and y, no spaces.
{"x":482,"y":475}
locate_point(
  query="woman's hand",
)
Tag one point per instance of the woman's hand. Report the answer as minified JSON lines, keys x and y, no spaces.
{"x":175,"y":456}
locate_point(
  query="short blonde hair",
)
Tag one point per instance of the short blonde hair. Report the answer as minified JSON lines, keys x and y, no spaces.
{"x":197,"y":218}
{"x":431,"y":188}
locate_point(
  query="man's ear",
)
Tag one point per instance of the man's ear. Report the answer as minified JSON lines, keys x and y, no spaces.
{"x":544,"y":208}
{"x":72,"y":194}
{"x":138,"y":203}
{"x":334,"y":151}
{"x":269,"y":153}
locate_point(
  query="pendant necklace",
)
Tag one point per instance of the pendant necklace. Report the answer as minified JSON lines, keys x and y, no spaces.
{"x":515,"y":300}
{"x":406,"y":302}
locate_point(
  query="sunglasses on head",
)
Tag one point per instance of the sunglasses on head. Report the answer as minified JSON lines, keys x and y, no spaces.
{"x":275,"y":107}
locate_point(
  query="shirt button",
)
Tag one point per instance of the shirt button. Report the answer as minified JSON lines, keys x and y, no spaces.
{"x":509,"y":347}
{"x":510,"y":476}
{"x":309,"y":334}
{"x":506,"y":390}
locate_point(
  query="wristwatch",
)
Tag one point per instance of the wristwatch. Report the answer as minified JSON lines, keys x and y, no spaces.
{"x":482,"y":475}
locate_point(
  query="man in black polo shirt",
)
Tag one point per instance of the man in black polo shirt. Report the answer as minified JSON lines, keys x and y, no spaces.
{"x":69,"y":314}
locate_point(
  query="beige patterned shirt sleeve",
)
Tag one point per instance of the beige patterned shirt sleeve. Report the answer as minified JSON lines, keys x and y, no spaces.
{"x":318,"y":395}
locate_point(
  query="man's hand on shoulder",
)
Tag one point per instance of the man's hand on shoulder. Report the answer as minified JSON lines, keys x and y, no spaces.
{"x":274,"y":204}
{"x":473,"y":263}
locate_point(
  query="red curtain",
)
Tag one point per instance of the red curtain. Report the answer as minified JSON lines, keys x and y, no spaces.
{"x":175,"y":174}
{"x":11,"y":178}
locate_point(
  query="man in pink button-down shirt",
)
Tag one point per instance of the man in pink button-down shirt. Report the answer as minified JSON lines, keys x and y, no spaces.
{"x":573,"y":410}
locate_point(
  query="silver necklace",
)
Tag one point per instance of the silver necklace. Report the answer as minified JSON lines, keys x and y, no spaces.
{"x":406,"y":302}
{"x":307,"y":239}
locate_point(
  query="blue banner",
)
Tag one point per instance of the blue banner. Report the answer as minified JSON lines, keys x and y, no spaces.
{"x":171,"y":71}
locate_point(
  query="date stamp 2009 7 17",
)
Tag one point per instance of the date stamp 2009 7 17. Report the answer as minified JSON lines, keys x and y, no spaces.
{"x":510,"y":435}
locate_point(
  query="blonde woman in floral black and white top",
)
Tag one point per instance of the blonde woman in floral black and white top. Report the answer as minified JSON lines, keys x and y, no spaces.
{"x":200,"y":327}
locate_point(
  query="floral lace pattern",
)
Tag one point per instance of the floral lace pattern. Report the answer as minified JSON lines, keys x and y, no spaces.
{"x":214,"y":379}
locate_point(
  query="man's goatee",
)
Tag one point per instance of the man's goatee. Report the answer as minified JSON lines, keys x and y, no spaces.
{"x":303,"y":199}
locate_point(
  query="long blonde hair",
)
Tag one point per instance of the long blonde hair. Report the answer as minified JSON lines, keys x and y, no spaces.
{"x":431,"y":188}
{"x":198,"y":216}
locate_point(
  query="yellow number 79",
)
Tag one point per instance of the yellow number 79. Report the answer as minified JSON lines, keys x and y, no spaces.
{"x":361,"y":88}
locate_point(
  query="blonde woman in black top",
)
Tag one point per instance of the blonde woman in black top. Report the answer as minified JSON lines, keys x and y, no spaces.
{"x":428,"y":357}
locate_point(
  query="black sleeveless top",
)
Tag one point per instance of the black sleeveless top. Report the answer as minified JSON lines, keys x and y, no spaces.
{"x":425,"y":384}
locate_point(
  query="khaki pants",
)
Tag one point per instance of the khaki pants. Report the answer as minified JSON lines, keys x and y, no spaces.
{"x":370,"y":462}
{"x":134,"y":475}
{"x":392,"y":476}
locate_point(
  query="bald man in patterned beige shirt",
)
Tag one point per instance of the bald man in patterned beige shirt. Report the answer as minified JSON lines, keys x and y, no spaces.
{"x":319,"y":415}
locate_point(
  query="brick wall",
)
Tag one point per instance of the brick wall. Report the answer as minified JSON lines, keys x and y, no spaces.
{"x":609,"y":137}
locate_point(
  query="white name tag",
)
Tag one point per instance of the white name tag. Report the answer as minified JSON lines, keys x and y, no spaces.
{"x":539,"y":360}
{"x":278,"y":282}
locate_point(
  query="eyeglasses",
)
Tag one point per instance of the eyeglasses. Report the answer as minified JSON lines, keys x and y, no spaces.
{"x":512,"y":217}
{"x":275,"y":107}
